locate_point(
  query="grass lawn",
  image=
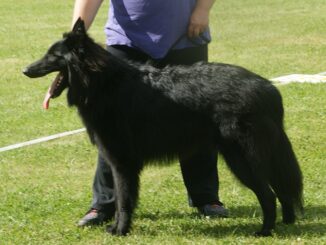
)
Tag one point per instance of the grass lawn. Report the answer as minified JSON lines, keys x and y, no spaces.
{"x":46,"y":188}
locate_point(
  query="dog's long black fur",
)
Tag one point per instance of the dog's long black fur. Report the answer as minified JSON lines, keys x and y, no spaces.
{"x":137,"y":113}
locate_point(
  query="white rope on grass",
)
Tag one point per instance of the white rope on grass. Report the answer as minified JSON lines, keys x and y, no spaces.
{"x":42,"y":139}
{"x":300,"y":78}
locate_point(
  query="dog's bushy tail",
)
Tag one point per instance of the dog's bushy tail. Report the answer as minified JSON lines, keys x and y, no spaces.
{"x":286,"y":176}
{"x":270,"y":152}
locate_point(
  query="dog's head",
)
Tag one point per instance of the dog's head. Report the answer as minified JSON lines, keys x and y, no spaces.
{"x":60,"y":53}
{"x":58,"y":58}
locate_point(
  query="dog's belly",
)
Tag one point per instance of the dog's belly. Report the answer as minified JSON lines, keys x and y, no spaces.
{"x":175,"y":137}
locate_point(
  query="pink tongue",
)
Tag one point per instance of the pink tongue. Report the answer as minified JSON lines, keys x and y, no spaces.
{"x":49,"y":93}
{"x":46,"y":101}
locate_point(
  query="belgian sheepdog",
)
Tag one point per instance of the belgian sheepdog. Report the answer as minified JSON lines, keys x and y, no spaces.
{"x":137,"y":113}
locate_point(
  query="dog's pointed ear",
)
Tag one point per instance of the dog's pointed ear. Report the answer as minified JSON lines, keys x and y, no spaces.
{"x":79,"y":27}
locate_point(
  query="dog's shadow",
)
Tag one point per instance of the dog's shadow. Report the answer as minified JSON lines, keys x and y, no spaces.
{"x":309,"y":223}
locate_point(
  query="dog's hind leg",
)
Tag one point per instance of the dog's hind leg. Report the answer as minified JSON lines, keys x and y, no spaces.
{"x":288,"y":212}
{"x":126,"y":185}
{"x":235,"y":158}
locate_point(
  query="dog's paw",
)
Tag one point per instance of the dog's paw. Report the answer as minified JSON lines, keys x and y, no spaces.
{"x":121,"y":232}
{"x":288,"y":220}
{"x":112,"y":229}
{"x":263,"y":233}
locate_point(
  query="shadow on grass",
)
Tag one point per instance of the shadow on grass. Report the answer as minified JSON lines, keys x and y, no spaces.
{"x":311,"y":223}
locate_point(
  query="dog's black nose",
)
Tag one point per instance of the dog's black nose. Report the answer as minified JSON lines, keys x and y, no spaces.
{"x":25,"y":71}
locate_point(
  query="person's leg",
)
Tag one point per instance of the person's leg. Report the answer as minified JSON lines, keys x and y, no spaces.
{"x":103,"y":193}
{"x":200,"y":172}
{"x":103,"y":202}
{"x":200,"y":177}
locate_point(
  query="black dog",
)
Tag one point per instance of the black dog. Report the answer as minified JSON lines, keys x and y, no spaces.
{"x":137,"y":113}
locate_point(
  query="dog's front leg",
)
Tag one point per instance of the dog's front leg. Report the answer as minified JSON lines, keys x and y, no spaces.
{"x":126,"y":184}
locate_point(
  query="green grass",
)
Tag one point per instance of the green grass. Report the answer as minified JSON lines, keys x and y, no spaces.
{"x":46,"y":188}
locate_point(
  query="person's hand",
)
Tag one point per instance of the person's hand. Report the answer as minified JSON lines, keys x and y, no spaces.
{"x":198,"y":23}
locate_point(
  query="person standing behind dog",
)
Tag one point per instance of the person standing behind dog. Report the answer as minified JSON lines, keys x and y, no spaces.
{"x":157,"y":31}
